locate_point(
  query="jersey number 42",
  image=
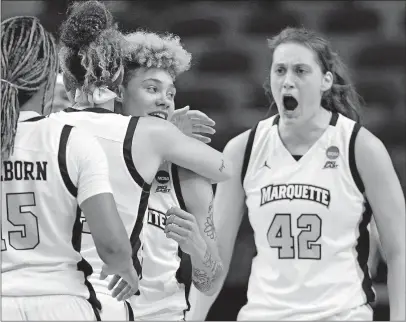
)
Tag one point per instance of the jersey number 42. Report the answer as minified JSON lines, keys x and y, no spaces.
{"x":280,"y":236}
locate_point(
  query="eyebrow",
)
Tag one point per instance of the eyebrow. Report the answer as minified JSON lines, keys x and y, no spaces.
{"x":294,"y":65}
{"x":158,"y":81}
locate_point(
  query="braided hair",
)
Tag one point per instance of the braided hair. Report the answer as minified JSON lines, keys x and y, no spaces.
{"x":29,"y":59}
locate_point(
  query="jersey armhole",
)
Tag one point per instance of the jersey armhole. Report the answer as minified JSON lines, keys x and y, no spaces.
{"x":66,"y":130}
{"x":176,"y":185}
{"x":247,"y":153}
{"x":353,"y":165}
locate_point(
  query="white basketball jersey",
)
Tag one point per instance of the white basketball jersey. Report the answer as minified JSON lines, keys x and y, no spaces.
{"x":164,"y":285}
{"x":310,"y":221}
{"x":41,"y":227}
{"x":115,"y":133}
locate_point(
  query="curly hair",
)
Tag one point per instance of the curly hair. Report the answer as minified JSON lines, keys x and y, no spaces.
{"x":151,"y":50}
{"x":91,"y":52}
{"x":341,"y":97}
{"x":29,"y":59}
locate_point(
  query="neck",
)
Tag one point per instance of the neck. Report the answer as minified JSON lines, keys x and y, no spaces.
{"x":304,"y":130}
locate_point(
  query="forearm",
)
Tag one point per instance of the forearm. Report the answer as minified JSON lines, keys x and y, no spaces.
{"x":396,"y":287}
{"x":207,"y":269}
{"x":200,"y":304}
{"x":118,"y":258}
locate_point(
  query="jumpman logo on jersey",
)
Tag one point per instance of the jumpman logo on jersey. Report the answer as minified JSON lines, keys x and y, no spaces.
{"x":266,"y":164}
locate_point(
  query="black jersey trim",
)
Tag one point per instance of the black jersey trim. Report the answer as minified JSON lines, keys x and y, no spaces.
{"x":353,"y":165}
{"x":362,"y":249}
{"x":128,"y":156}
{"x":247,"y":153}
{"x":135,"y":234}
{"x":184,"y":271}
{"x":130,"y":311}
{"x":66,"y":130}
{"x":35,"y":118}
{"x":83,"y":265}
{"x":89,"y":109}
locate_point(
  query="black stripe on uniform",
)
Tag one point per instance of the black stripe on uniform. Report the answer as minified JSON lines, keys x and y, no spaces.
{"x":128,"y":157}
{"x":130,"y":311}
{"x":62,"y":160}
{"x":353,"y":165}
{"x":247,"y":153}
{"x":184,"y":272}
{"x":34,"y":119}
{"x":362,"y":249}
{"x":84,"y":266}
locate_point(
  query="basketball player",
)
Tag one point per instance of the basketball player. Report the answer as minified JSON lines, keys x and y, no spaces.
{"x":92,"y":64}
{"x":153,"y":62}
{"x":48,"y":170}
{"x":311,"y":177}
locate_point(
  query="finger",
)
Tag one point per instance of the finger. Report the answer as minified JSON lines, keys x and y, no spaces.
{"x":119,"y":288}
{"x":201,"y":138}
{"x":184,"y":221}
{"x":175,"y":237}
{"x":181,"y":111}
{"x":202,"y":117}
{"x":181,"y":231}
{"x":200,"y":128}
{"x":113,"y":282}
{"x":124,"y":293}
{"x":103,"y":275}
{"x":180,"y":213}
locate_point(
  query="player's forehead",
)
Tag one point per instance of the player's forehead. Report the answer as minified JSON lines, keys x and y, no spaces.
{"x":154,"y":75}
{"x":294,"y":54}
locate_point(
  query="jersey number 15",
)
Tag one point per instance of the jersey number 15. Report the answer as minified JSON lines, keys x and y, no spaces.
{"x":280,"y":236}
{"x":26,"y":234}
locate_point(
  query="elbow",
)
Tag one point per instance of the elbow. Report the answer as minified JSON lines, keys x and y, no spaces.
{"x":213,"y":285}
{"x":226,"y":170}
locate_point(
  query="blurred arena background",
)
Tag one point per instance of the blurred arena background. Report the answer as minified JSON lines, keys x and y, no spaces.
{"x":230,"y":63}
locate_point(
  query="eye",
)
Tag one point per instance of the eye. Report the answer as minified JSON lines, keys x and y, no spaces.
{"x":170,"y":95}
{"x":279,"y":70}
{"x":152,"y":89}
{"x":300,"y":71}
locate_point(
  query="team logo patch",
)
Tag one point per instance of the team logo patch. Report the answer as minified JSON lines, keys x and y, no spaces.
{"x":163,"y":189}
{"x":162,"y":177}
{"x":332,"y":152}
{"x":330,"y":165}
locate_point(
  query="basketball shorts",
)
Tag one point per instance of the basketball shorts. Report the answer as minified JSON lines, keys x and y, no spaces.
{"x":47,"y":308}
{"x":113,"y":310}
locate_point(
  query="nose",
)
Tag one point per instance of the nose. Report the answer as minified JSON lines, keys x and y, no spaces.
{"x":163,"y":102}
{"x":288,"y":82}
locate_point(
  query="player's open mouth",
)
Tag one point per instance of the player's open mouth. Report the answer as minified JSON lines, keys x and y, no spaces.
{"x":161,"y":115}
{"x":289,"y":102}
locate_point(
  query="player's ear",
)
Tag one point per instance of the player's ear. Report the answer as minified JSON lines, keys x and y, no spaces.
{"x":327,"y":81}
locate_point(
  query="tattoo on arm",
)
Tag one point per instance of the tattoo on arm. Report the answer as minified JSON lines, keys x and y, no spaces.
{"x":201,"y":280}
{"x":222,"y":166}
{"x":209,"y":228}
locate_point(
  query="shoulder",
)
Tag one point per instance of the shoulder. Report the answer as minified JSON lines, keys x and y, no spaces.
{"x":367,"y":145}
{"x":237,"y":144}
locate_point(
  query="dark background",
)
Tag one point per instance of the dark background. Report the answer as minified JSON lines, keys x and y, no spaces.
{"x":230,"y":63}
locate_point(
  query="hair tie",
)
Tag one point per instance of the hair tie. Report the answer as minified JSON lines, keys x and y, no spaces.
{"x":10,"y":83}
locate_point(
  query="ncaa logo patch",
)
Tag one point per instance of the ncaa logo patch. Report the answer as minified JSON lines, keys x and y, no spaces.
{"x":162,"y":177}
{"x":332,"y":152}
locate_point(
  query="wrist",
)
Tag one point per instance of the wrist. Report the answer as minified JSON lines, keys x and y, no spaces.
{"x":200,"y":249}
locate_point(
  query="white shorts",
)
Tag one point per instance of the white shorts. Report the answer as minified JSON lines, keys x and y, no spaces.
{"x":359,"y":313}
{"x":113,"y":310}
{"x":163,"y":317}
{"x":47,"y":307}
